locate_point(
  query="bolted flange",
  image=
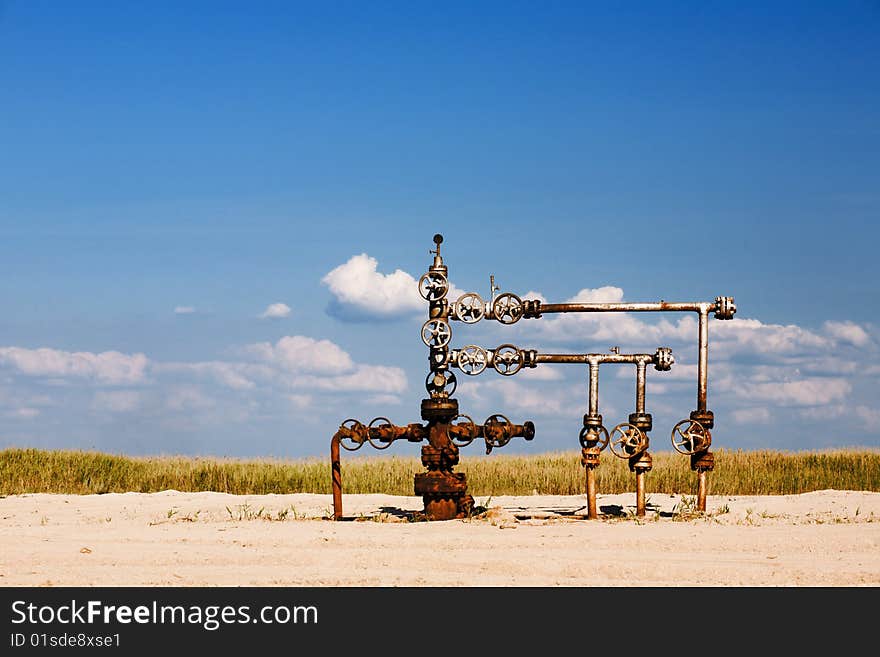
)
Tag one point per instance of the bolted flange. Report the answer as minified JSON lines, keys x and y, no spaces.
{"x":439,"y":409}
{"x":641,"y":420}
{"x":590,"y":457}
{"x":593,"y":421}
{"x":440,"y":458}
{"x":704,"y":417}
{"x":425,"y":483}
{"x":703,"y":461}
{"x":641,"y":462}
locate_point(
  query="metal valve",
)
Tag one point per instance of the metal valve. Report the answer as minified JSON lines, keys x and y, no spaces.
{"x":594,"y":436}
{"x":498,"y":430}
{"x":437,"y":383}
{"x":663,"y":359}
{"x":463,"y":433}
{"x":627,"y":440}
{"x":507,"y":359}
{"x":433,"y":286}
{"x":690,"y":437}
{"x":436,"y":333}
{"x":469,"y":308}
{"x":472,"y":359}
{"x":724,"y":308}
{"x":507,"y":308}
{"x":353,"y":434}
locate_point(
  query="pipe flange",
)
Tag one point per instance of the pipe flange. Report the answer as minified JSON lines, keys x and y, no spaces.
{"x":641,"y":462}
{"x":703,"y":461}
{"x":704,"y":417}
{"x":725,"y":308}
{"x":643,"y":421}
{"x":593,"y":421}
{"x":590,"y":457}
{"x":663,"y":359}
{"x":439,"y":409}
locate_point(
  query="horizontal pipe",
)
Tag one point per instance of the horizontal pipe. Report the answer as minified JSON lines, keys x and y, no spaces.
{"x":594,"y":358}
{"x":660,"y":306}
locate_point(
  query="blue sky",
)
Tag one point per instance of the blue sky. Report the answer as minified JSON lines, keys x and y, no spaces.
{"x":213,"y":215}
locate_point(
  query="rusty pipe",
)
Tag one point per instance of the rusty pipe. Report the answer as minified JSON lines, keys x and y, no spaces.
{"x":661,"y":306}
{"x":640,"y":493}
{"x":594,"y":358}
{"x":336,"y":475}
{"x":703,"y":362}
{"x":640,"y":387}
{"x":592,"y":513}
{"x":701,"y":490}
{"x":594,"y":388}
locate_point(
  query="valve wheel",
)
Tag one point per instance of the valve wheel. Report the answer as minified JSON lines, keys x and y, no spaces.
{"x":437,"y":382}
{"x":507,"y":360}
{"x":376,"y":423}
{"x":495,"y":441}
{"x":356,"y":428}
{"x":507,"y":308}
{"x":593,"y":434}
{"x":627,"y":440}
{"x":436,"y":333}
{"x":690,"y":437}
{"x":469,"y":308}
{"x":433,"y":286}
{"x":472,"y":359}
{"x":471,"y":428}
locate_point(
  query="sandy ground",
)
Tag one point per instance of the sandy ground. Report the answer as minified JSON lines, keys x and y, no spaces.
{"x":823,"y":538}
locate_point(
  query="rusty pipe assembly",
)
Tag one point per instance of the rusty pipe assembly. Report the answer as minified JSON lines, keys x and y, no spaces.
{"x":445,"y":492}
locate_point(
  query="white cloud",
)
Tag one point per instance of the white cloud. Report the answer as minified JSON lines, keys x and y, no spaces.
{"x":184,"y":310}
{"x":870,"y":416}
{"x":809,"y":391}
{"x":298,"y":353}
{"x":188,"y":398}
{"x":231,"y":375}
{"x":275,"y":311}
{"x":109,"y":367}
{"x":300,"y":402}
{"x":372,"y":378}
{"x":360,"y":292}
{"x":24,"y":413}
{"x":758,"y":415}
{"x":116,"y":401}
{"x":847,"y":332}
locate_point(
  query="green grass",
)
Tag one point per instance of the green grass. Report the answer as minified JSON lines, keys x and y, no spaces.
{"x":763,"y":472}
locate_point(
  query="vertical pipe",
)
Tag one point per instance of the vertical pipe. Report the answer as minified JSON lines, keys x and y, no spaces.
{"x":336,"y":474}
{"x":594,"y":387}
{"x":701,"y":490}
{"x":592,"y":514}
{"x":704,"y":359}
{"x":640,"y":492}
{"x":640,"y":387}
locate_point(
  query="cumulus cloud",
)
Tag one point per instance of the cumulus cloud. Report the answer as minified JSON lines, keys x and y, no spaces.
{"x":231,"y":375}
{"x":275,"y":311}
{"x":847,"y":332}
{"x":298,"y":353}
{"x":808,"y":391}
{"x":184,"y":310}
{"x":760,"y":415}
{"x":362,"y":293}
{"x":110,"y":367}
{"x":116,"y":401}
